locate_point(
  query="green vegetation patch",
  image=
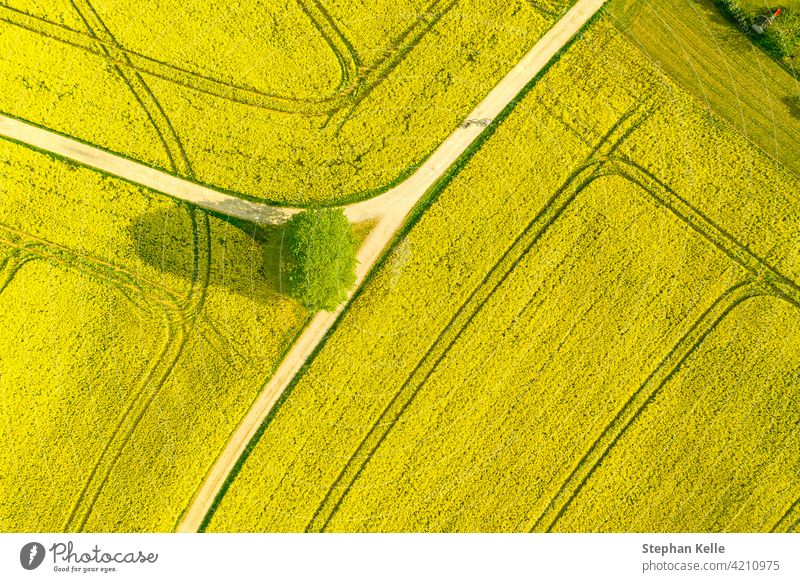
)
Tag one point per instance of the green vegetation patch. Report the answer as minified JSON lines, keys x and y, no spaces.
{"x":709,"y":57}
{"x":776,"y":27}
{"x":322,"y":265}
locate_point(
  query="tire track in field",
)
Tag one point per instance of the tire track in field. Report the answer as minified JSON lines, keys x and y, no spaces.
{"x":542,"y":8}
{"x":788,"y":436}
{"x":789,"y":520}
{"x":159,"y":69}
{"x":396,"y":52}
{"x":645,"y":394}
{"x":404,"y":42}
{"x":591,"y":170}
{"x":151,"y":299}
{"x":11,"y":264}
{"x":221,"y":345}
{"x":515,"y":329}
{"x":764,"y":274}
{"x":665,"y":196}
{"x":178,"y":324}
{"x":141,"y":91}
{"x":339,"y":44}
{"x":171,"y":345}
{"x":351,"y":77}
{"x":764,"y":277}
{"x":95,"y":268}
{"x":440,"y":348}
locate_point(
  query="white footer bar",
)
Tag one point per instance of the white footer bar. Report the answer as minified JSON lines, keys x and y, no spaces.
{"x":353,"y":558}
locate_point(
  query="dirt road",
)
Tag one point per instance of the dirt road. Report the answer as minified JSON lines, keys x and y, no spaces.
{"x":392,"y":208}
{"x":396,"y":202}
{"x":138,"y":173}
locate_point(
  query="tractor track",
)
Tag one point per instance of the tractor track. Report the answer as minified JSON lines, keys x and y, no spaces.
{"x":152,"y":299}
{"x":478,"y":368}
{"x":393,"y":208}
{"x":411,"y":386}
{"x":12,"y":262}
{"x":634,"y":406}
{"x":789,"y":520}
{"x":124,"y":428}
{"x":178,"y":325}
{"x":178,"y":320}
{"x":552,"y":8}
{"x":394,"y":55}
{"x":341,"y":47}
{"x":760,"y":269}
{"x":137,"y":405}
{"x":351,"y":78}
{"x":580,"y":178}
{"x":97,"y":269}
{"x":141,"y":91}
{"x":766,"y":281}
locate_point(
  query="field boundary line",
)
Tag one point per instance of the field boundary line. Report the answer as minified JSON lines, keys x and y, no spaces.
{"x":74,"y":151}
{"x":215,"y":198}
{"x":414,"y":216}
{"x":366,"y":205}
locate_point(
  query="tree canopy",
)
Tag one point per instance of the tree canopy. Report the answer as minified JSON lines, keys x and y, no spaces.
{"x":322,"y":263}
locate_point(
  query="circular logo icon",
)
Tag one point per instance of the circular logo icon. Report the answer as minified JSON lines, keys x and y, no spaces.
{"x":31,"y":555}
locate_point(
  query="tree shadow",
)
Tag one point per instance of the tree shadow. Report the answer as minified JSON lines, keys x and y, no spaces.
{"x":716,"y":14}
{"x":273,"y":247}
{"x":726,"y":30}
{"x":793,"y":104}
{"x":245,"y":258}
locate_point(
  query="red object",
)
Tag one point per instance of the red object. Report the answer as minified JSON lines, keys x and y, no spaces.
{"x":778,"y":12}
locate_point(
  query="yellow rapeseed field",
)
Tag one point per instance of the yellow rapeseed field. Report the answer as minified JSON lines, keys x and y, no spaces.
{"x":268,"y":47}
{"x":574,"y":291}
{"x":136,"y":332}
{"x":295,"y":101}
{"x":717,"y":448}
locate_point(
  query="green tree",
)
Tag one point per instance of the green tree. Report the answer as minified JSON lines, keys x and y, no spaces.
{"x":322,"y":262}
